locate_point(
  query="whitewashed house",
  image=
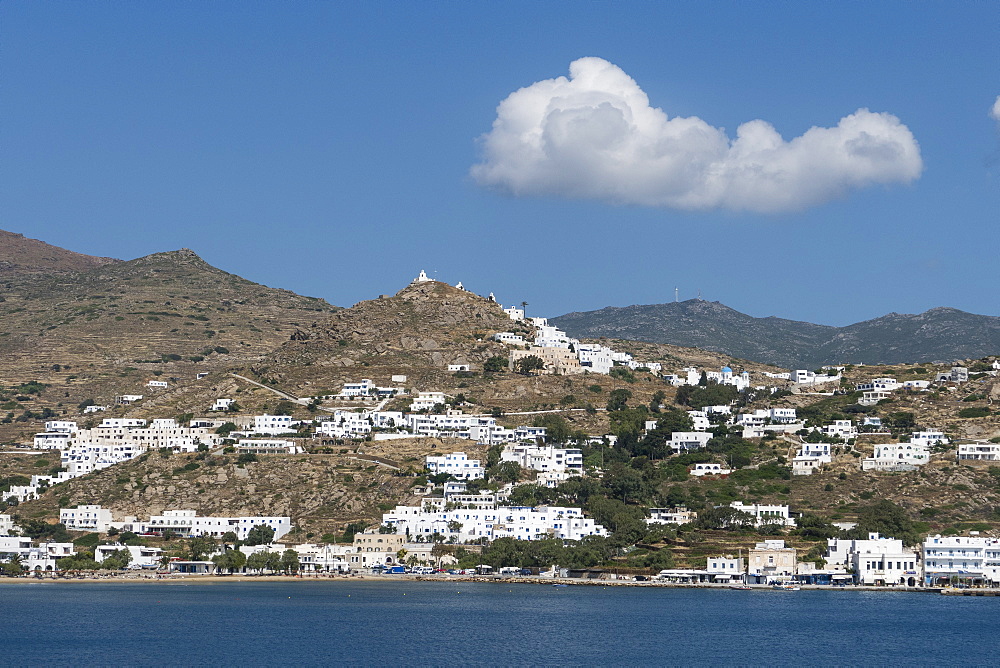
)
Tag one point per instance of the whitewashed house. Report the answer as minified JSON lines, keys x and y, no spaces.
{"x":679,"y":515}
{"x":273,"y":425}
{"x":427,"y":401}
{"x":766,"y":514}
{"x":978,"y":450}
{"x":896,"y":457}
{"x":709,"y":468}
{"x":457,"y":464}
{"x":86,"y":518}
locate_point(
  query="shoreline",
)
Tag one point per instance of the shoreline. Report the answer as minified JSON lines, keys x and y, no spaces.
{"x":332,"y":577}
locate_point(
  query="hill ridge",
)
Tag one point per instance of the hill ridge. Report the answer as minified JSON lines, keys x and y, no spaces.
{"x":938,"y":334}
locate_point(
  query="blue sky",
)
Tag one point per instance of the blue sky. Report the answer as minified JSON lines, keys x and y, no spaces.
{"x":328,"y":148}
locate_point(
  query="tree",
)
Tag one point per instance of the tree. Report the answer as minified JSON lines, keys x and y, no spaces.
{"x":117,"y":560}
{"x":505,"y":472}
{"x":259,"y":535}
{"x":887,"y":519}
{"x":13,"y":567}
{"x":556,"y":428}
{"x":200,"y":547}
{"x":495,"y":364}
{"x":724,"y":517}
{"x":618,"y":399}
{"x":258,"y":561}
{"x":290,"y":561}
{"x":527,"y":365}
{"x":226,"y":428}
{"x":624,"y":482}
{"x":230,"y":560}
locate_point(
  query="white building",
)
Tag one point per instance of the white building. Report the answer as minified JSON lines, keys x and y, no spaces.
{"x":805,"y":377}
{"x":57,"y":440}
{"x":94,"y":409}
{"x":473,"y":524}
{"x":545,"y":458}
{"x":514,"y":313}
{"x":929,"y":438}
{"x":948,"y":559}
{"x":548,"y":336}
{"x":709,"y":469}
{"x":810,"y":457}
{"x":222,"y":404}
{"x":843,"y":429}
{"x":157,"y":383}
{"x":86,"y":518}
{"x":143,"y":558}
{"x":187,"y":523}
{"x":874,"y":561}
{"x":699,"y":420}
{"x":457,"y":464}
{"x":427,"y":401}
{"x":896,"y":457}
{"x":726,"y":569}
{"x":509,"y":338}
{"x":678,"y":515}
{"x":595,"y":357}
{"x":979,"y":450}
{"x":6,"y":525}
{"x":683,"y":441}
{"x":361,"y":389}
{"x":458,"y":367}
{"x":766,"y":514}
{"x":273,"y":425}
{"x":726,"y":377}
{"x":916,"y":385}
{"x":126,"y":399}
{"x":259,"y":446}
{"x":872,"y":397}
{"x":883,"y":384}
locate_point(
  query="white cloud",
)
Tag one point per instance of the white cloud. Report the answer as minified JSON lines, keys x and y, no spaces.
{"x":595,"y":135}
{"x":995,"y":111}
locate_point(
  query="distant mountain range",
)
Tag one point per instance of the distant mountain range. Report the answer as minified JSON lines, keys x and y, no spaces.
{"x":940,"y":334}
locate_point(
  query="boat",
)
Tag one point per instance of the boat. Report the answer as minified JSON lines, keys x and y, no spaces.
{"x":740,"y":587}
{"x":787,"y":586}
{"x":560,"y":585}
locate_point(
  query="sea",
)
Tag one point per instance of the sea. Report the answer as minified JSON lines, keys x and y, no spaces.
{"x":382,"y":623}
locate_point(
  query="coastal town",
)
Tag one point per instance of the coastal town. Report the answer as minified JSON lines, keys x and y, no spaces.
{"x":462,"y":505}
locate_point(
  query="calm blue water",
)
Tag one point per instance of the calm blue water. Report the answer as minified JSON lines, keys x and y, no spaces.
{"x":424,"y":623}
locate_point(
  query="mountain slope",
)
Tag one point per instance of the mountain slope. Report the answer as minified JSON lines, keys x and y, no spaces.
{"x":20,"y":256}
{"x":107,"y":330}
{"x":938,"y":334}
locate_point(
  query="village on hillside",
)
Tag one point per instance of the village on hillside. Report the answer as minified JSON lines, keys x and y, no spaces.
{"x":611,"y":485}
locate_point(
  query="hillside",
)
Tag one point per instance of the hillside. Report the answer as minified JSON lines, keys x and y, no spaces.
{"x":940,"y":334}
{"x":322,"y":491}
{"x":21,"y":257}
{"x":425,"y":327}
{"x":110,"y":329}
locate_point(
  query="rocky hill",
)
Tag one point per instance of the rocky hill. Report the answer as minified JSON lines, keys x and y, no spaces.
{"x":108,"y":330}
{"x":21,"y":256}
{"x":418,"y":333}
{"x":940,"y":334}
